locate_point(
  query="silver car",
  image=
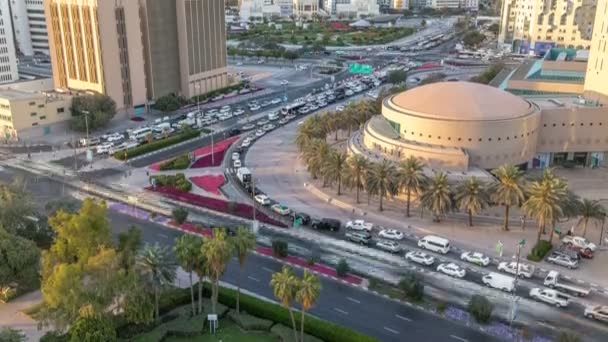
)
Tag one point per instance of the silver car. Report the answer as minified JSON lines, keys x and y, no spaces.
{"x":562,"y":260}
{"x":420,"y":257}
{"x":389,"y":246}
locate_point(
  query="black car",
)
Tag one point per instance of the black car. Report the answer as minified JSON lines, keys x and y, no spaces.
{"x":235,"y":131}
{"x":304,"y":218}
{"x":326,"y":224}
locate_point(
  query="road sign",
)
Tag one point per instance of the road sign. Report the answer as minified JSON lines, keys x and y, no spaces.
{"x":356,"y":68}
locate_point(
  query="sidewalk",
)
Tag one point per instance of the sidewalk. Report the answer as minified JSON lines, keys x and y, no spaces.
{"x":11,"y":315}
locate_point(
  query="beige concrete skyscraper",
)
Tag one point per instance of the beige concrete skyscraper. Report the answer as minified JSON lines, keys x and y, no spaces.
{"x":96,"y":45}
{"x":596,"y":79}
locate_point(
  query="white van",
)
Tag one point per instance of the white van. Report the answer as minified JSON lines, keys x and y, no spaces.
{"x":140,"y":133}
{"x":435,"y":244}
{"x":499,"y":281}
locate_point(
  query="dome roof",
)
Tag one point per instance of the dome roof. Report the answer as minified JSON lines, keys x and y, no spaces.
{"x":461,"y":101}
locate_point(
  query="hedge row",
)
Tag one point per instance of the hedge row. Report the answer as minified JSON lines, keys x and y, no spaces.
{"x":177,"y":181}
{"x":178,"y":163}
{"x":156,"y":145}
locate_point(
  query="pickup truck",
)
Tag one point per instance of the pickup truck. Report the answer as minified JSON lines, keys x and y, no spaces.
{"x":549,"y":296}
{"x":579,"y":242}
{"x":552,"y":280}
{"x":359,"y":225}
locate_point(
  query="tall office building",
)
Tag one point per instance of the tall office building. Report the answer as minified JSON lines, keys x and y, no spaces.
{"x":305,"y":8}
{"x":526,"y":23}
{"x":596,"y":79}
{"x":8,"y":57}
{"x":400,"y":4}
{"x":96,"y":45}
{"x":29,"y":26}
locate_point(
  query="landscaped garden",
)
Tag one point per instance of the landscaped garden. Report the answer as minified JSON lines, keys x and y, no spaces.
{"x":178,"y":182}
{"x":205,"y":152}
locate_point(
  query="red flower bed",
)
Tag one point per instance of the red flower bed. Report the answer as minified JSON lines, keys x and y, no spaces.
{"x":209,"y":183}
{"x":192,"y":228}
{"x":239,"y":209}
{"x":219,"y":146}
{"x":208,"y":160}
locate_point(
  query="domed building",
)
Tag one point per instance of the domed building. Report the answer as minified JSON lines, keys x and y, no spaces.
{"x":453,"y":126}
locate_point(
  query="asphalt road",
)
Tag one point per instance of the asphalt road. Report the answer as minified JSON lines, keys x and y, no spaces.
{"x":340,"y":303}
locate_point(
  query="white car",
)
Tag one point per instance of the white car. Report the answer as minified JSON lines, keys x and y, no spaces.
{"x":359,"y":225}
{"x":579,"y":242}
{"x":549,"y":296}
{"x":248,"y":127}
{"x":349,"y":93}
{"x":262,"y":199}
{"x":115,"y":137}
{"x":276,"y":101}
{"x":284,"y":82}
{"x":268,"y":127}
{"x":262,"y":122}
{"x":236,"y":163}
{"x":246,"y":143}
{"x":236,"y":155}
{"x":225,"y":109}
{"x":563,"y":260}
{"x":259,"y":133}
{"x":339,"y":108}
{"x":238,"y":112}
{"x":389,"y":246}
{"x":104,"y":148}
{"x":254,"y":108}
{"x":509,"y":267}
{"x":281,"y":209}
{"x":452,"y":270}
{"x":597,"y":312}
{"x":420,"y":257}
{"x":391,"y":234}
{"x":475,"y":258}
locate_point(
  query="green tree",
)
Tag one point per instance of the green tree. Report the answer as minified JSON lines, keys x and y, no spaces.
{"x":382,"y":180}
{"x":187,"y":249}
{"x":316,"y":155}
{"x":480,"y":308}
{"x":128,"y":245}
{"x":290,"y":55}
{"x":473,"y":38}
{"x":92,"y":328}
{"x":8,"y":334}
{"x":357,"y":167}
{"x":494,"y":28}
{"x":509,"y":190}
{"x":180,"y":215}
{"x":307,"y":294}
{"x":397,"y":76}
{"x":334,"y":167}
{"x":154,"y":265}
{"x":437,"y":196}
{"x":543,"y":204}
{"x":100,"y":108}
{"x":342,"y":268}
{"x":217,"y":251}
{"x":137,"y":305}
{"x":19,"y":263}
{"x":411,"y":179}
{"x":244,"y":244}
{"x":590,"y":210}
{"x":285,"y":286}
{"x":472,"y":196}
{"x":412,"y":286}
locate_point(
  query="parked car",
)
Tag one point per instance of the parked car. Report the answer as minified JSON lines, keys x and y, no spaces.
{"x":524,"y":270}
{"x":280,"y":209}
{"x":579,"y":242}
{"x":391,"y":234}
{"x":550,"y":296}
{"x":304,"y":218}
{"x":599,"y":312}
{"x":359,"y":225}
{"x":452,"y":270}
{"x":262,"y":199}
{"x":389,"y":246}
{"x":362,"y":237}
{"x":563,"y":260}
{"x":248,"y":127}
{"x":475,"y":258}
{"x":326,"y":224}
{"x":420,"y":257}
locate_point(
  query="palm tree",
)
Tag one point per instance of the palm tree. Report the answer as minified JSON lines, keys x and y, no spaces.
{"x":334,"y":167}
{"x":307,"y":294}
{"x":315,"y":156}
{"x":411,"y":178}
{"x":356,"y":171}
{"x":437,"y":196}
{"x":285,"y":286}
{"x":187,"y":250}
{"x":590,"y":210}
{"x":217,"y":250}
{"x":202,"y":270}
{"x":543,"y":204}
{"x":509,"y":190}
{"x":472,"y":196}
{"x":244,"y":243}
{"x":382,"y":180}
{"x":154,"y":265}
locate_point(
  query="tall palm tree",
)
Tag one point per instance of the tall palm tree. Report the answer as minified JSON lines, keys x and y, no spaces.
{"x":217,"y":250}
{"x":154,"y":265}
{"x":543,"y":203}
{"x":472,"y":196}
{"x":307,"y":294}
{"x":285,"y":286}
{"x":509,"y":190}
{"x":187,"y":249}
{"x":437,"y":195}
{"x":411,"y":179}
{"x":590,"y":210}
{"x":202,"y":270}
{"x":244,"y":243}
{"x":316,"y":155}
{"x":382,"y":180}
{"x":334,"y":167}
{"x":356,"y":171}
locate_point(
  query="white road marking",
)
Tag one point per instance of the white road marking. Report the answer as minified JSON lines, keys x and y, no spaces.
{"x":254,"y":279}
{"x":403,"y":318}
{"x":267,"y":269}
{"x":353,"y":300}
{"x":163,"y":236}
{"x":391,"y":330}
{"x":341,"y":311}
{"x":459,"y":338}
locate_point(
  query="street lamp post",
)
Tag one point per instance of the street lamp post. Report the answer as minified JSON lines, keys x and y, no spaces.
{"x":86,"y":123}
{"x":515,"y":299}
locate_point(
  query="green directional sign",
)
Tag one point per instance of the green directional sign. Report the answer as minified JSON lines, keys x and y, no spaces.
{"x":356,"y":68}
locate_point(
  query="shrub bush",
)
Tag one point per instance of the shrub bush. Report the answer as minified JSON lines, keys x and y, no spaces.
{"x":249,"y":322}
{"x":179,"y":215}
{"x":156,"y":145}
{"x":568,"y":336}
{"x":412,"y":286}
{"x":539,"y":250}
{"x":285,"y":334}
{"x":177,"y":181}
{"x":342,"y":268}
{"x":480,"y":308}
{"x":441,"y":306}
{"x":280,"y":248}
{"x":178,"y":163}
{"x":54,"y":336}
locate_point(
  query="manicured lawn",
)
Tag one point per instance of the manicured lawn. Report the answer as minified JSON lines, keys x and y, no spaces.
{"x":228,"y":332}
